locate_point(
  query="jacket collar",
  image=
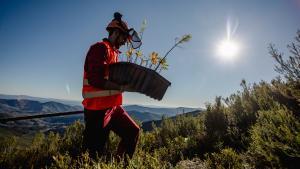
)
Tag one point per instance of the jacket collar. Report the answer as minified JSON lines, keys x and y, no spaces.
{"x":117,"y":50}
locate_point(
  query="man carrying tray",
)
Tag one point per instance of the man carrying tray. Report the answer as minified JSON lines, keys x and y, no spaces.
{"x":103,"y":98}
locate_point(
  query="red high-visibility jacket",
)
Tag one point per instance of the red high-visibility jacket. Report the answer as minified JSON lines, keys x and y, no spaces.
{"x":95,"y":97}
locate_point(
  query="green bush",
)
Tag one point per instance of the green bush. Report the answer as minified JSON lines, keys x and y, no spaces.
{"x":141,"y":160}
{"x":9,"y":150}
{"x":275,"y":140}
{"x":216,"y":124}
{"x":40,"y":151}
{"x":288,"y":92}
{"x":242,"y":112}
{"x":72,"y":139}
{"x":226,"y":159}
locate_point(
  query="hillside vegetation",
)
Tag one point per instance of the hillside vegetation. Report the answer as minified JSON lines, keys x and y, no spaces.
{"x":256,"y":127}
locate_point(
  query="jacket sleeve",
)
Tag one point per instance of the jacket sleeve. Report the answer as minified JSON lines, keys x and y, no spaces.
{"x":94,"y":65}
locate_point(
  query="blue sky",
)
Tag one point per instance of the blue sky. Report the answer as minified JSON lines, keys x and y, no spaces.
{"x":43,"y":44}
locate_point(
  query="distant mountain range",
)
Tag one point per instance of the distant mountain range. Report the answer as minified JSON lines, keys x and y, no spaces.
{"x":173,"y":111}
{"x":147,"y":125}
{"x":26,"y":104}
{"x":40,"y":99}
{"x":144,"y":116}
{"x":20,"y":105}
{"x":29,"y":106}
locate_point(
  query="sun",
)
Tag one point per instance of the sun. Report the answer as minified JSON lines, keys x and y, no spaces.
{"x":228,"y":49}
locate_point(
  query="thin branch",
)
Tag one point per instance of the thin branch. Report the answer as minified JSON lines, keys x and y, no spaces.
{"x":185,"y":38}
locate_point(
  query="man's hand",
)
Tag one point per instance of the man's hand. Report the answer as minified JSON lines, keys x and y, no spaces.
{"x":109,"y":85}
{"x":127,"y":88}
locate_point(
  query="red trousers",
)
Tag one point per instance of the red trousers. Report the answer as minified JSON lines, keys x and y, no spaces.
{"x":98,"y":124}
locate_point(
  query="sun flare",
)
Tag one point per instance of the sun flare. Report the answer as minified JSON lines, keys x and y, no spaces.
{"x":228,"y":49}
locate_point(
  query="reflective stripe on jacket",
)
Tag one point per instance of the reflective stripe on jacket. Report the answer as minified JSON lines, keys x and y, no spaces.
{"x":95,"y":98}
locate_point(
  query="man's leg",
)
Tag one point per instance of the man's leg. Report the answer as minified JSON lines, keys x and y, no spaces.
{"x":94,"y":136}
{"x":122,"y":124}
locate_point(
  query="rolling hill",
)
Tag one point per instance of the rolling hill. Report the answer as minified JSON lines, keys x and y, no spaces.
{"x":147,"y":126}
{"x":10,"y":107}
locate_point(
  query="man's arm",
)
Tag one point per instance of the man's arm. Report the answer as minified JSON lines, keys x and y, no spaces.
{"x":94,"y":66}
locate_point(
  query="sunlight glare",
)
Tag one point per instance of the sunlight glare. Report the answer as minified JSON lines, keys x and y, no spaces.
{"x":228,"y":49}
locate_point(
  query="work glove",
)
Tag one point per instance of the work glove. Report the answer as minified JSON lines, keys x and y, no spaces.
{"x":127,"y":88}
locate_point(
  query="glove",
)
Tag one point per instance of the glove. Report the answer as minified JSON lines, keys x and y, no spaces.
{"x":127,"y":88}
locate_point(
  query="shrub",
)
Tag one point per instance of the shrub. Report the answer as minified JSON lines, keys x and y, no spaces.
{"x":216,"y":124}
{"x":276,"y":139}
{"x":9,"y":151}
{"x":226,"y":159}
{"x":72,"y":139}
{"x":40,"y":151}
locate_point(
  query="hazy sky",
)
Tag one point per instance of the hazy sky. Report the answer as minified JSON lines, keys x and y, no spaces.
{"x":43,"y":44}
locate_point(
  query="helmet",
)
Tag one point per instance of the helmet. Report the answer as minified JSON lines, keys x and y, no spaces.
{"x":117,"y":23}
{"x":132,"y":35}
